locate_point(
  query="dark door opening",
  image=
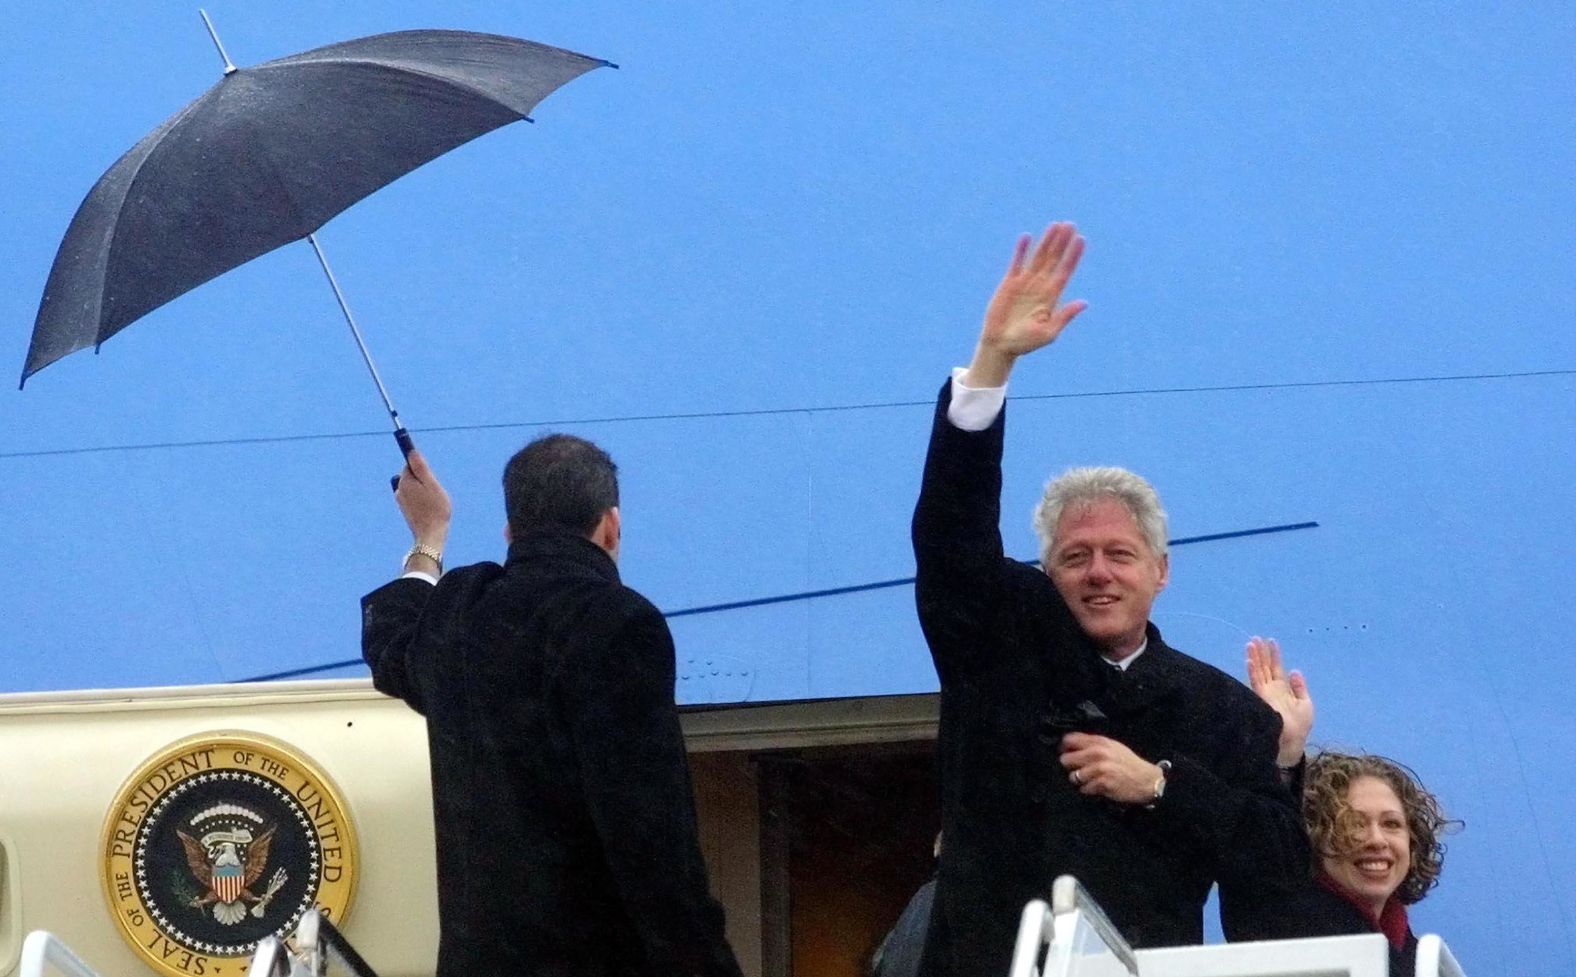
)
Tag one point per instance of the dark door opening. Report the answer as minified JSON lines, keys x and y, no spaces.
{"x":847,"y":837}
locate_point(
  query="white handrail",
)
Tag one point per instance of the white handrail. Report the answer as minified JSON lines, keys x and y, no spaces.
{"x":317,"y":944}
{"x":309,"y":943}
{"x":42,"y":947}
{"x":1054,"y":930}
{"x":1357,"y":955}
{"x":1068,"y":896}
{"x":1434,"y":958}
{"x":1072,"y":936}
{"x":1034,"y":932}
{"x":270,"y":959}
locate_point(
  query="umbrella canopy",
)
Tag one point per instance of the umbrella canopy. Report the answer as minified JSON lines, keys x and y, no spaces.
{"x":269,"y":154}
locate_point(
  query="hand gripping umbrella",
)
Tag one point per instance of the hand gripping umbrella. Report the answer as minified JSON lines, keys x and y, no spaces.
{"x":266,"y":157}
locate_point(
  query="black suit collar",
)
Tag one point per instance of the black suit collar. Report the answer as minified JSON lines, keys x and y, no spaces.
{"x":1154,"y":675}
{"x":563,"y":547}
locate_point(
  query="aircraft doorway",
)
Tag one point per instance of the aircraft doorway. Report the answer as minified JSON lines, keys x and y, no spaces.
{"x":818,"y":822}
{"x":860,"y":824}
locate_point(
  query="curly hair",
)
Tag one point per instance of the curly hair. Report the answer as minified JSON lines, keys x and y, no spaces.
{"x":1332,"y":825}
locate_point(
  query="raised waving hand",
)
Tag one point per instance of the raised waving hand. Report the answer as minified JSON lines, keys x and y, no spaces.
{"x":1286,"y":693}
{"x":1027,"y":312}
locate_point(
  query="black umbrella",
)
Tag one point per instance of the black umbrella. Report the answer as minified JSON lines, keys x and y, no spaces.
{"x":266,"y":157}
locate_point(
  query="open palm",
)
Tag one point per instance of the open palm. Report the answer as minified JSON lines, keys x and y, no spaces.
{"x":1026,"y":312}
{"x":1286,"y":693}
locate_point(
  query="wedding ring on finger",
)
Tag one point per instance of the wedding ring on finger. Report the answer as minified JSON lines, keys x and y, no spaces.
{"x":1077,"y":778}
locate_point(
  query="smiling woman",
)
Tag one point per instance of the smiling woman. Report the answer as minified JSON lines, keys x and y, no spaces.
{"x":1376,"y":833}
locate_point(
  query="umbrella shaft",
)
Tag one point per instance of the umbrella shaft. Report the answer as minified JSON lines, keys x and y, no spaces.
{"x":354,"y":330}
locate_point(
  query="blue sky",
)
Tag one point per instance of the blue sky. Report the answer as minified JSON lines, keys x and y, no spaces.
{"x":1330,"y":280}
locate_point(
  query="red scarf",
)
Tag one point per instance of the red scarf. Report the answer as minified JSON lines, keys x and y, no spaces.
{"x":1392,"y":921}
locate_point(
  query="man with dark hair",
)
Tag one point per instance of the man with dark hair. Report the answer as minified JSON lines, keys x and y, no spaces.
{"x":559,"y":481}
{"x":561,"y":792}
{"x":1073,"y":740}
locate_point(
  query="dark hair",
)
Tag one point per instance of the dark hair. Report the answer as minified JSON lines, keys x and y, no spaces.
{"x":559,"y":482}
{"x":1332,"y":826}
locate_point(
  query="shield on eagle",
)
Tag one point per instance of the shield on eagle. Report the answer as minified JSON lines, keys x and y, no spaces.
{"x":228,"y":860}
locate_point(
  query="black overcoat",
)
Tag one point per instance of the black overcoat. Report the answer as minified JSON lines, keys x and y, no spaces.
{"x":561,"y":792}
{"x":1016,"y":672}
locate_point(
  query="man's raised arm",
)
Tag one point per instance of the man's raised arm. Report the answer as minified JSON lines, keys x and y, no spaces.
{"x":391,"y":615}
{"x":956,"y":530}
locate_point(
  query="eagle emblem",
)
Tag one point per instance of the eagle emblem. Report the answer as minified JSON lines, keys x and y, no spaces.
{"x":217,"y":842}
{"x":227,"y":852}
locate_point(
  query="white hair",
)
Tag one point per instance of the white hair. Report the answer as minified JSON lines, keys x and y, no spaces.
{"x":1080,"y":486}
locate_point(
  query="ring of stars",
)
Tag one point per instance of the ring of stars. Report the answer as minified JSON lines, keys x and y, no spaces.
{"x":144,"y":834}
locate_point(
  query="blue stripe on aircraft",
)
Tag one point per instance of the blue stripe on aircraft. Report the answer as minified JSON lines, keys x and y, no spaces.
{"x":813,"y":594}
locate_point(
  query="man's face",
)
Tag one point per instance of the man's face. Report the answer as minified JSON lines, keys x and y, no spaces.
{"x":1107,"y":573}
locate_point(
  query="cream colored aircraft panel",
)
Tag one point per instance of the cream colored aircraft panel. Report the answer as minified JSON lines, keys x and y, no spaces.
{"x":287,"y":794}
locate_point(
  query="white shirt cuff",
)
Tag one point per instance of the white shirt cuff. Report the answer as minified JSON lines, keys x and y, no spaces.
{"x":419,"y":575}
{"x":973,"y":408}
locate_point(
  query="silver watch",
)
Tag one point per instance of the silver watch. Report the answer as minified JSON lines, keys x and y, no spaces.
{"x":422,"y":549}
{"x":1160,"y":784}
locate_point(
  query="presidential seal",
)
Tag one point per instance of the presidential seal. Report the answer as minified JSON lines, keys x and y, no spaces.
{"x":218,"y":842}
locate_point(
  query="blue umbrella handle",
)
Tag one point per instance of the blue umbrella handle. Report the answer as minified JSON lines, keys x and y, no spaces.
{"x":406,"y":446}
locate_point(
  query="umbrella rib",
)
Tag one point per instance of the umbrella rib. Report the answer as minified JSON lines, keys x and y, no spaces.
{"x":335,"y":52}
{"x":403,"y":69}
{"x":158,"y":136}
{"x":276,"y":172}
{"x":259,"y":151}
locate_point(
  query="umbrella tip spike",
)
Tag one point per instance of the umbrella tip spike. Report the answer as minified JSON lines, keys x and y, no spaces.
{"x":213,"y":33}
{"x":609,"y":64}
{"x":529,"y":119}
